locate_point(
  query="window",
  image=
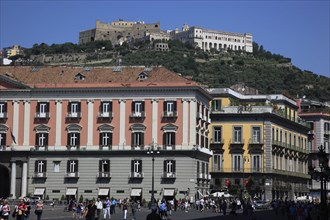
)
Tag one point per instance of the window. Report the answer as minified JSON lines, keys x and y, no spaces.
{"x":256,"y":136}
{"x":104,"y":166}
{"x":237,"y":162}
{"x":169,"y":139}
{"x":137,"y":137}
{"x":42,"y":109}
{"x":73,"y":139}
{"x":170,"y":106}
{"x":40,"y":166}
{"x":217,"y":135}
{"x":327,"y":127}
{"x":3,"y":109}
{"x":2,"y":139}
{"x":106,"y":109}
{"x":74,"y":109}
{"x":169,"y":166}
{"x":138,"y":108}
{"x":105,"y":139}
{"x":136,"y":167}
{"x":57,"y":166}
{"x":237,"y":135}
{"x":72,"y":166}
{"x":256,"y":163}
{"x":217,"y":162}
{"x":42,"y":139}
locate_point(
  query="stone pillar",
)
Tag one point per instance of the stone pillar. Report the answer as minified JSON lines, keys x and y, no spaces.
{"x":122,"y":110}
{"x":15,"y":120}
{"x":24,"y":179}
{"x":26,"y":140}
{"x":185,"y":127}
{"x":154,"y":133}
{"x":58,"y":123}
{"x":13,"y":180}
{"x":90,"y":124}
{"x":192,"y":125}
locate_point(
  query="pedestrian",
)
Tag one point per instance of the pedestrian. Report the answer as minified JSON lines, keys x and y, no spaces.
{"x":113,"y":206}
{"x":27,"y":210}
{"x":133,"y":207}
{"x":38,"y":209}
{"x":106,"y":209}
{"x":5,"y":210}
{"x":125,"y":208}
{"x":21,"y":207}
{"x":91,"y":210}
{"x":99,"y":207}
{"x":153,"y":215}
{"x":224,"y":207}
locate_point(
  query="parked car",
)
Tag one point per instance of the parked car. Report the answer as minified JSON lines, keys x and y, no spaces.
{"x":261,"y":204}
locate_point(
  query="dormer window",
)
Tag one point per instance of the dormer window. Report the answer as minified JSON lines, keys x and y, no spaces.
{"x":143,"y":76}
{"x":79,"y":77}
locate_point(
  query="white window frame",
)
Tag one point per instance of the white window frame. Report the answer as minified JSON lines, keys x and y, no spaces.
{"x":237,"y":162}
{"x":256,"y":162}
{"x":137,"y":166}
{"x":217,"y":163}
{"x":41,"y":166}
{"x":73,"y":166}
{"x":256,"y":135}
{"x":170,"y":107}
{"x":237,"y":134}
{"x":137,"y":138}
{"x":217,"y":132}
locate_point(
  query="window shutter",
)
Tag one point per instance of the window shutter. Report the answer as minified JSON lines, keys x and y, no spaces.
{"x":132,"y":165}
{"x":3,"y":140}
{"x":5,"y":107}
{"x":45,"y":166}
{"x":165,"y":106}
{"x":78,"y":139}
{"x":140,"y":166}
{"x":77,"y":165}
{"x":79,"y":105}
{"x":38,"y":107}
{"x":142,"y":106}
{"x":68,"y":139}
{"x":165,"y":166}
{"x":110,"y":139}
{"x":142,"y":139}
{"x":37,"y":139}
{"x":132,"y":140}
{"x":174,"y":166}
{"x":46,"y":139}
{"x":133,"y":106}
{"x":68,"y":166}
{"x":47,"y":107}
{"x":100,"y":165}
{"x":69,"y":106}
{"x":213,"y":105}
{"x":36,"y":166}
{"x":100,"y":138}
{"x":173,"y":139}
{"x":164,"y":139}
{"x":174,"y":105}
{"x":110,"y":106}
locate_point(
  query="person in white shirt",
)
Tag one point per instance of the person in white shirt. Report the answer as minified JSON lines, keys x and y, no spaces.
{"x":99,"y":207}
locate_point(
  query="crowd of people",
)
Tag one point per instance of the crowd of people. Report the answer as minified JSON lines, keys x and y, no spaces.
{"x":21,"y":210}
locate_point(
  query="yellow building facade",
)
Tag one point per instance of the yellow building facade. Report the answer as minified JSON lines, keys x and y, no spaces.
{"x":259,"y":144}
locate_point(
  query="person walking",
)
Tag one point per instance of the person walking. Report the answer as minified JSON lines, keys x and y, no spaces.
{"x":106,"y":211}
{"x":5,"y":210}
{"x":38,"y":209}
{"x":99,"y":207}
{"x":153,"y":215}
{"x":91,"y":210}
{"x":21,"y":208}
{"x":125,"y":209}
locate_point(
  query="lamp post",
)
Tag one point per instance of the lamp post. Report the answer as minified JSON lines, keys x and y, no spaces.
{"x":151,"y":151}
{"x":322,"y":175}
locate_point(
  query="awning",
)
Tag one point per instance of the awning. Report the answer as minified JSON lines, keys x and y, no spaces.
{"x":136,"y":192}
{"x":168,"y":192}
{"x":71,"y":191}
{"x":39,"y":191}
{"x":103,"y":192}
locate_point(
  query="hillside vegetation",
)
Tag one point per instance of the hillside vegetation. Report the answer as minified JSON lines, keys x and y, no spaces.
{"x":267,"y":72}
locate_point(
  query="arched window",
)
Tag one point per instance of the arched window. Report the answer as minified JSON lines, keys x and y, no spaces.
{"x":73,"y":137}
{"x":42,"y":134}
{"x":169,"y":136}
{"x":105,"y":138}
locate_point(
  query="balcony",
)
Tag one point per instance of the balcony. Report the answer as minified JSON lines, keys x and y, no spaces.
{"x":104,"y":175}
{"x":42,"y":115}
{"x":39,"y":175}
{"x":73,"y":147}
{"x":105,"y":147}
{"x":167,"y":114}
{"x":137,"y":115}
{"x":137,"y":147}
{"x":41,"y":147}
{"x":168,"y":147}
{"x":169,"y":175}
{"x":256,"y":170}
{"x":217,"y":145}
{"x":3,"y":115}
{"x":291,"y":173}
{"x":137,"y":175}
{"x":105,"y":115}
{"x":203,"y":176}
{"x":72,"y":175}
{"x":255,"y":144}
{"x":326,"y":133}
{"x":73,"y":115}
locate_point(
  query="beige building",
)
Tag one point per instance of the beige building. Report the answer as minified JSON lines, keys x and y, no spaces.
{"x":117,"y":31}
{"x":12,"y":51}
{"x":219,"y":40}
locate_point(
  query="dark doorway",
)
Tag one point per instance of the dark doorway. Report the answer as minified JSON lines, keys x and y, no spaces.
{"x":4,"y":182}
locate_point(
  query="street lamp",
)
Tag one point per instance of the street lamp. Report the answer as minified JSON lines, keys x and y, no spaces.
{"x":151,"y":151}
{"x":322,"y":175}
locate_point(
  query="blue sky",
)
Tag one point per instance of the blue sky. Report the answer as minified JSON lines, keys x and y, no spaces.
{"x":295,"y":29}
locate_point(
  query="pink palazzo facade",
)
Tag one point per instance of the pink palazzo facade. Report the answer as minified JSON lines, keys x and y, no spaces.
{"x":86,"y":131}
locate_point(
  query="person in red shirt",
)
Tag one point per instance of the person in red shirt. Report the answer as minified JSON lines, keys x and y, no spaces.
{"x":20,"y":210}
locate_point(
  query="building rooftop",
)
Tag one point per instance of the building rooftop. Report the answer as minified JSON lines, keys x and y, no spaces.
{"x":82,"y":77}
